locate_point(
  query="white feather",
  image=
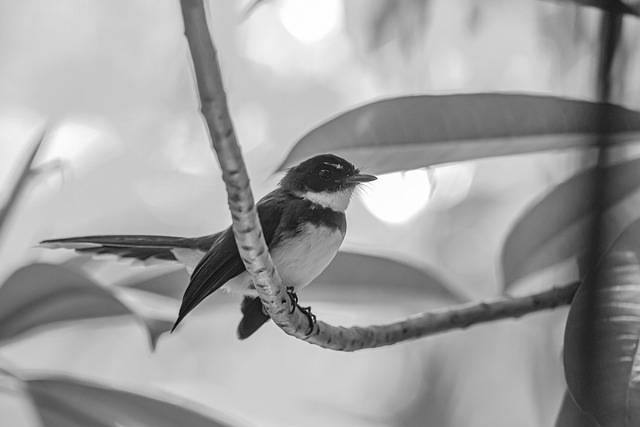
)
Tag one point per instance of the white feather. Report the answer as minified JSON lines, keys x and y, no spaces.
{"x":299,"y":261}
{"x":68,"y":245}
{"x":334,"y":200}
{"x":189,"y":257}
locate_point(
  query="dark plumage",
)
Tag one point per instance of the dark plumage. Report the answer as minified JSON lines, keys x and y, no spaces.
{"x":303,"y":223}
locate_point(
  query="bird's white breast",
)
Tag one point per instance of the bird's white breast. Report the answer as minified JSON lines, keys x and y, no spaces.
{"x":299,"y":260}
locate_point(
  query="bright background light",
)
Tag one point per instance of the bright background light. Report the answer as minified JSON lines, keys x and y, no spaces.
{"x":82,"y":141}
{"x":310,"y":21}
{"x":397,"y":197}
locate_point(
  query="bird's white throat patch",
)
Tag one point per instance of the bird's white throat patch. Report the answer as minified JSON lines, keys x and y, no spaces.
{"x":334,"y":200}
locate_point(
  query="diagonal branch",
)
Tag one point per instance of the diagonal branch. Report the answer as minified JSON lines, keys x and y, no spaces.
{"x":246,"y":226}
{"x":255,"y":254}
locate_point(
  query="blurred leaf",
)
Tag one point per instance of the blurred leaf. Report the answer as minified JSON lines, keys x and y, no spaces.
{"x":555,"y":228}
{"x":629,"y":240}
{"x":625,"y":6}
{"x":347,"y":272}
{"x":41,"y":294}
{"x":602,"y":364}
{"x":416,"y":131}
{"x":21,"y":182}
{"x":67,"y":402}
{"x":171,"y":284}
{"x":370,"y":274}
{"x":571,"y":416}
{"x":633,"y":5}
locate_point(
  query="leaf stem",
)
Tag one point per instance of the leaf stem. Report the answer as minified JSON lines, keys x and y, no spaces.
{"x":21,"y":182}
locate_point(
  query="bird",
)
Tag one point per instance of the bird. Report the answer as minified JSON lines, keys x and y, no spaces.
{"x":303,"y":223}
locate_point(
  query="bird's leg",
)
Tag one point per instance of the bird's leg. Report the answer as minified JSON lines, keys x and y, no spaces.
{"x":294,"y":298}
{"x":305,"y":310}
{"x":312,"y":317}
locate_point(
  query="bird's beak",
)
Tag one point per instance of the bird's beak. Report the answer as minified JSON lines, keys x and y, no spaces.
{"x":360,"y":178}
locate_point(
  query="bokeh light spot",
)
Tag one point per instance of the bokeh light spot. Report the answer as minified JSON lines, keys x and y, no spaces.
{"x":310,"y":21}
{"x":398,"y":196}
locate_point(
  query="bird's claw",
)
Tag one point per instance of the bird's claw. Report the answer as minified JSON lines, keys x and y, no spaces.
{"x":305,"y":310}
{"x":310,"y":316}
{"x":293,"y":297}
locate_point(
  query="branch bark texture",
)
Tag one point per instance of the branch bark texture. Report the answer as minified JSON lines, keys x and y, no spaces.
{"x":254,"y":251}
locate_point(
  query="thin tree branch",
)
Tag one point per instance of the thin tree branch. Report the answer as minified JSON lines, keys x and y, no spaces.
{"x":255,"y":254}
{"x":246,"y":226}
{"x":446,"y":319}
{"x":21,"y":182}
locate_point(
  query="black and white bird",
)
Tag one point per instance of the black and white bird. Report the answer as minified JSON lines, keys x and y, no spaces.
{"x":303,"y":223}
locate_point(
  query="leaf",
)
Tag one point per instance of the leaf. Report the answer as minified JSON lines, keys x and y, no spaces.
{"x":42,"y":294}
{"x":171,"y":284}
{"x":417,"y":131}
{"x":610,"y":5}
{"x":66,"y":402}
{"x":601,"y":358}
{"x":348,"y":271}
{"x":371,"y":274}
{"x":571,"y":416}
{"x":556,"y":228}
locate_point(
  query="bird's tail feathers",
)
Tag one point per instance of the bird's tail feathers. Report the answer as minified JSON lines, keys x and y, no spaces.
{"x":138,"y":247}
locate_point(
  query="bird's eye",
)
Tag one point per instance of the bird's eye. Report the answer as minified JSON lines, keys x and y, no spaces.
{"x":325,"y":174}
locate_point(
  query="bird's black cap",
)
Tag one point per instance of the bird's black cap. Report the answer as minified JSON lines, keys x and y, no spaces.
{"x":325,"y":172}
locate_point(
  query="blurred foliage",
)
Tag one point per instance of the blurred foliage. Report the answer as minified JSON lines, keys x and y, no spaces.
{"x":113,"y":79}
{"x":608,"y":358}
{"x":557,"y":227}
{"x":418,"y":131}
{"x":571,"y":416}
{"x":67,"y":402}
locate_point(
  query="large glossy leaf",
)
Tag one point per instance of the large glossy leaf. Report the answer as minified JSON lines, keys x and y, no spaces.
{"x":66,"y":402}
{"x":556,"y":227}
{"x":601,"y":358}
{"x":170,"y":284}
{"x":370,"y":274}
{"x":39,"y":295}
{"x":348,"y":272}
{"x":416,"y":131}
{"x":571,"y":416}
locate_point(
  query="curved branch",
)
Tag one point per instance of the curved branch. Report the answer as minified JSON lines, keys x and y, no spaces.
{"x":255,"y":254}
{"x":438,"y":321}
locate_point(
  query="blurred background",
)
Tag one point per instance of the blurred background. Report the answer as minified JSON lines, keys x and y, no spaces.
{"x":113,"y":83}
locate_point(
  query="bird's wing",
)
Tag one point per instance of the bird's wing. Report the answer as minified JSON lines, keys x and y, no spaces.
{"x":142,"y":248}
{"x":222,"y":262}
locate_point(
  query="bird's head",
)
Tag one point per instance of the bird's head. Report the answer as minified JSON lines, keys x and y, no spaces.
{"x":326,"y":179}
